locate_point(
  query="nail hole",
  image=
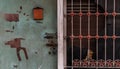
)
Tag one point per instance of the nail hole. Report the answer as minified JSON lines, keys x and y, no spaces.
{"x":36,"y":52}
{"x":15,"y":66}
{"x":20,"y":7}
{"x":49,"y":53}
{"x":13,"y":27}
{"x":24,"y":14}
{"x":19,"y":11}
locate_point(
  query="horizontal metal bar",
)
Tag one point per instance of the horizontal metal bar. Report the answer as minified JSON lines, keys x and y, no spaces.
{"x":81,"y":8}
{"x":81,"y":4}
{"x":93,"y":13}
{"x":108,"y":37}
{"x":88,"y":67}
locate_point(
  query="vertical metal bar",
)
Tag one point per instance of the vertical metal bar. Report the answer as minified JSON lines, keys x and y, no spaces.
{"x":114,"y":6}
{"x":114,"y":32}
{"x":72,"y":30}
{"x":89,"y":17}
{"x":114,"y":51}
{"x":88,"y":26}
{"x":65,"y":32}
{"x":80,"y":34}
{"x":105,"y":30}
{"x":72,"y":52}
{"x":97,"y":34}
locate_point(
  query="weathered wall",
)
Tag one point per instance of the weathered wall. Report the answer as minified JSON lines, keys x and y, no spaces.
{"x":32,"y":32}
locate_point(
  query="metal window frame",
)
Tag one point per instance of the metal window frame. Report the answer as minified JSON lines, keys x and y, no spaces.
{"x":60,"y":26}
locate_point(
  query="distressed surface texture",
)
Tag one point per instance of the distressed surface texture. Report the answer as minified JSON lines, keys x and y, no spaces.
{"x":31,"y":31}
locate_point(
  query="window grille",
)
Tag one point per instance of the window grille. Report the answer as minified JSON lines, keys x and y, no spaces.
{"x":92,"y":34}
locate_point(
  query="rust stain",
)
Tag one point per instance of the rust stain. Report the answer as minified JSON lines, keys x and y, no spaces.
{"x":16,"y":43}
{"x":9,"y":31}
{"x":12,"y":17}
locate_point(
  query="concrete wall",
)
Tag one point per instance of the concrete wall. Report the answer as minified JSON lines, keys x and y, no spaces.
{"x":32,"y":32}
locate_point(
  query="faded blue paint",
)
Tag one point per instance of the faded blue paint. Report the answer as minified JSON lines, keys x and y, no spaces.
{"x":30,"y":30}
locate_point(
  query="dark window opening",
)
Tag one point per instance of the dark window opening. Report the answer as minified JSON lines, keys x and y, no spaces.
{"x":93,"y":34}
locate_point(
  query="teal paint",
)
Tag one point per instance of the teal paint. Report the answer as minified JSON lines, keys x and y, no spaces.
{"x":30,"y":30}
